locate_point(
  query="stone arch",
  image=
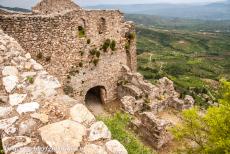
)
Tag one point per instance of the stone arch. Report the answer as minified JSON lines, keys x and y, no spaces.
{"x":101,"y":25}
{"x":97,"y":92}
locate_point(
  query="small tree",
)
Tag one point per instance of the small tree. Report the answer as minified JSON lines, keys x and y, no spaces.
{"x":210,"y":131}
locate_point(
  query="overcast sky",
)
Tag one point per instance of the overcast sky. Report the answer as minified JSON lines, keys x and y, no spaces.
{"x":29,"y":3}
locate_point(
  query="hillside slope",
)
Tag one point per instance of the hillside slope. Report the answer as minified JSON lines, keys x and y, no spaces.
{"x":195,"y":61}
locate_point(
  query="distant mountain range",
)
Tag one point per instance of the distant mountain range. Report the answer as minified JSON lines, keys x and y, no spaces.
{"x":212,"y":11}
{"x":14,"y":9}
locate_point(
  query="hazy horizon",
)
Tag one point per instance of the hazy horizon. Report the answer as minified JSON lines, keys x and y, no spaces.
{"x":29,"y":3}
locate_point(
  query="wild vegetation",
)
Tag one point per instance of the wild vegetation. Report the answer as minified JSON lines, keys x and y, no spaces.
{"x":208,"y":131}
{"x":118,"y":124}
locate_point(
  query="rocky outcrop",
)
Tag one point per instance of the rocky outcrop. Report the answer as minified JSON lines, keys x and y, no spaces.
{"x":35,"y":115}
{"x":153,"y":129}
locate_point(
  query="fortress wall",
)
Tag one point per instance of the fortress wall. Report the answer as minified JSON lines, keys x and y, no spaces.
{"x":54,"y":41}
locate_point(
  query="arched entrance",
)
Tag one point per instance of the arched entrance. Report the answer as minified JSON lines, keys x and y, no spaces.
{"x":95,"y":99}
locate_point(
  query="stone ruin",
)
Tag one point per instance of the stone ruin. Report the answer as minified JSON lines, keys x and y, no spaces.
{"x":82,"y":48}
{"x":51,"y":58}
{"x":36,"y":117}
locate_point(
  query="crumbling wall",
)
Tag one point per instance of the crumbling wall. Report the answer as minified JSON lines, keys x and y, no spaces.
{"x":35,"y":115}
{"x":64,"y":44}
{"x":54,"y":6}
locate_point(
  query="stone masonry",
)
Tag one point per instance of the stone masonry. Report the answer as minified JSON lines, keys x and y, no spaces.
{"x":64,"y":53}
{"x":73,"y":44}
{"x":35,"y":115}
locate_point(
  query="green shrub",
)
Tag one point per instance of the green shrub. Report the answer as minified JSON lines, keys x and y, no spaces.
{"x":80,"y":64}
{"x":113,"y":45}
{"x":93,"y":52}
{"x":118,"y":125}
{"x":30,"y":79}
{"x":82,"y":53}
{"x":81,"y":31}
{"x":98,"y":54}
{"x":106,"y":45}
{"x":131,"y":35}
{"x":95,"y":61}
{"x":127,"y":46}
{"x":88,"y":41}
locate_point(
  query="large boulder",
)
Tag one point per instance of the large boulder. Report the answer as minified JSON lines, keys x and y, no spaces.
{"x":44,"y":86}
{"x":81,"y":114}
{"x":99,"y":131}
{"x":115,"y":147}
{"x":65,"y":134}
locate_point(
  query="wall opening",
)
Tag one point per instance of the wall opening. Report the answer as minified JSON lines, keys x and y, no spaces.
{"x":101,"y":26}
{"x":95,"y":100}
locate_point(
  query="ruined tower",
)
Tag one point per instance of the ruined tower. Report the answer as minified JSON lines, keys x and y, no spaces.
{"x":85,"y":49}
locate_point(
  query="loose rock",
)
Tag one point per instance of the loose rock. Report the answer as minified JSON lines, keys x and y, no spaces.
{"x":10,"y":82}
{"x":99,"y":131}
{"x":27,"y":107}
{"x":64,"y":134}
{"x":115,"y":147}
{"x":81,"y":114}
{"x":16,"y":99}
{"x":4,"y":111}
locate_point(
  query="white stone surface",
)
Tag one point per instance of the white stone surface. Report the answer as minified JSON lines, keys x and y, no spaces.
{"x":4,"y":111}
{"x":44,"y":86}
{"x":94,"y":149}
{"x":10,"y":82}
{"x":64,"y":134}
{"x":6,"y":123}
{"x":27,"y":107}
{"x":99,"y":131}
{"x":10,"y":70}
{"x":28,"y":56}
{"x":115,"y":147}
{"x":28,"y":74}
{"x":81,"y":114}
{"x":16,"y":99}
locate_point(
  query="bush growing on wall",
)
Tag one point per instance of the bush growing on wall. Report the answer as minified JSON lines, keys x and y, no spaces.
{"x":106,"y":45}
{"x":81,"y":31}
{"x":113,"y":45}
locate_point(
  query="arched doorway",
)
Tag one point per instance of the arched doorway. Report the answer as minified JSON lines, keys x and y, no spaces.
{"x":95,"y":99}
